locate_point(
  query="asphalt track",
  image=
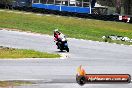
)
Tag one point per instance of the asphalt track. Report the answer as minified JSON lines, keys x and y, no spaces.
{"x":96,"y":57}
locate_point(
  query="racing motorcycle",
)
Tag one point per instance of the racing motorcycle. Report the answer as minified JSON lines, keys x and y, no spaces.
{"x":62,"y":43}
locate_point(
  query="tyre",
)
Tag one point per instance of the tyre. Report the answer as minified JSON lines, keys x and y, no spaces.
{"x":67,"y":49}
{"x":61,"y":50}
{"x":81,"y":80}
{"x":129,"y":80}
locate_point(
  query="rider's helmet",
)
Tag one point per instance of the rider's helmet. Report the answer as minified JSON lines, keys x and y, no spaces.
{"x":56,"y":31}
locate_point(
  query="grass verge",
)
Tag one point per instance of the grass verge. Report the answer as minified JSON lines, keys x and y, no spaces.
{"x":73,"y":27}
{"x":10,"y":84}
{"x":23,"y":53}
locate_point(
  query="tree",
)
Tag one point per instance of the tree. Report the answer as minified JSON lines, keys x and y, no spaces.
{"x":111,"y":3}
{"x":118,"y":6}
{"x":127,"y":7}
{"x":7,"y":3}
{"x":126,"y":4}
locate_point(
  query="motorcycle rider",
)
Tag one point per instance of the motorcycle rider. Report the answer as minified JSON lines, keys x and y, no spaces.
{"x":58,"y":36}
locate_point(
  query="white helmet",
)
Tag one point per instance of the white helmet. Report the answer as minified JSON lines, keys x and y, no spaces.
{"x":56,"y":30}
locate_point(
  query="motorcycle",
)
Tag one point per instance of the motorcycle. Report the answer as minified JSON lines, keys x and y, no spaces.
{"x":62,"y":43}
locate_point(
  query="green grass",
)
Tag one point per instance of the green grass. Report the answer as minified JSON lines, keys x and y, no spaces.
{"x":23,"y":53}
{"x":8,"y":84}
{"x":72,"y":27}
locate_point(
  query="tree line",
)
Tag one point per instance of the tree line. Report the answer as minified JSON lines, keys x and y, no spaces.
{"x":126,"y":4}
{"x":6,"y":3}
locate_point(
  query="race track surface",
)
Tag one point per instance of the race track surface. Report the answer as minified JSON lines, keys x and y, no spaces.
{"x":95,"y":57}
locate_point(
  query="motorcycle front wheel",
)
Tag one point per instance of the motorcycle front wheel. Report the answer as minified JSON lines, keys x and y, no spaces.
{"x":67,"y":49}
